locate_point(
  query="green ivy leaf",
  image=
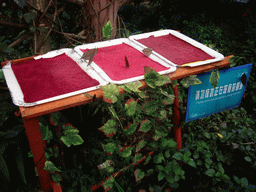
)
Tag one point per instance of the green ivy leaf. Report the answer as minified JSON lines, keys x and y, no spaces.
{"x":147,"y":160}
{"x":110,"y":92}
{"x":130,"y":128}
{"x":109,"y":129}
{"x":49,"y":166}
{"x":160,"y":167}
{"x":167,"y":154}
{"x":178,"y":156}
{"x":162,"y":80}
{"x":177,"y":170}
{"x":157,"y":135}
{"x":109,"y":148}
{"x":133,"y":86}
{"x":145,"y":126}
{"x":142,"y":95}
{"x":109,"y":183}
{"x":220,"y":168}
{"x":140,"y":145}
{"x":161,"y":176}
{"x":214,"y":78}
{"x":151,"y":78}
{"x":244,"y":182}
{"x":106,"y":164}
{"x":130,"y":107}
{"x":162,"y":114}
{"x":159,"y":158}
{"x":125,"y":88}
{"x":248,"y":159}
{"x":137,"y":157}
{"x":126,"y":152}
{"x":71,"y":140}
{"x":236,"y":179}
{"x":56,"y":178}
{"x":139,"y":174}
{"x":107,"y":30}
{"x":150,"y":172}
{"x":191,"y":80}
{"x":207,"y":135}
{"x":191,"y":162}
{"x":210,"y":172}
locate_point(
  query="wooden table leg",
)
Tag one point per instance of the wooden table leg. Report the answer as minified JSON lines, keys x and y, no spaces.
{"x":176,"y":117}
{"x":37,"y":147}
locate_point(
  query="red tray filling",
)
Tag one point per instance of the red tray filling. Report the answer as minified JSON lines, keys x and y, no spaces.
{"x":175,"y":49}
{"x":112,"y":61}
{"x":46,"y":78}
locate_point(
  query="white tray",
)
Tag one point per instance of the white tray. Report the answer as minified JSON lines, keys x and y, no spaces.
{"x":16,"y":92}
{"x":152,"y":56}
{"x":217,"y":56}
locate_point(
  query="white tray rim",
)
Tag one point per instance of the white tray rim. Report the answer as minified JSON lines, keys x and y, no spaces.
{"x":218,"y":56}
{"x":153,"y":56}
{"x":15,"y":89}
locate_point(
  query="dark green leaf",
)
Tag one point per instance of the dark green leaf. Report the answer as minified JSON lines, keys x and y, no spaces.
{"x":207,"y":135}
{"x":214,"y":78}
{"x":10,"y":133}
{"x":191,"y":80}
{"x":178,"y":156}
{"x":109,"y":129}
{"x":110,"y":92}
{"x":159,"y":158}
{"x":145,"y":126}
{"x":133,"y":86}
{"x":130,"y":107}
{"x":210,"y":172}
{"x":20,"y":165}
{"x":160,"y":167}
{"x":49,"y":166}
{"x":139,"y":174}
{"x":130,"y":128}
{"x":141,"y":144}
{"x":248,"y":159}
{"x":161,"y":176}
{"x":167,"y":154}
{"x":109,"y":147}
{"x":244,"y":182}
{"x":4,"y":169}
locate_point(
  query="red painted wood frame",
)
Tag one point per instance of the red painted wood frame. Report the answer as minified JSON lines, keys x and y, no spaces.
{"x":30,"y":116}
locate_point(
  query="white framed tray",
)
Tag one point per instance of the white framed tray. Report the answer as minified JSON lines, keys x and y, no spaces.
{"x":16,"y":91}
{"x":216,"y":56}
{"x":120,"y":41}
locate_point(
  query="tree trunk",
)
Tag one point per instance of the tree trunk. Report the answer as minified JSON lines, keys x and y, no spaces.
{"x":41,"y":38}
{"x":97,"y":13}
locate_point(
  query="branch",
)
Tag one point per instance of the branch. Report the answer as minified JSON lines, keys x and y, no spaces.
{"x":19,"y":40}
{"x":78,"y":2}
{"x":12,"y":24}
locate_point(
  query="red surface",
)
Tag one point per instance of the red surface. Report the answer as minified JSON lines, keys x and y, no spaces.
{"x":175,"y":49}
{"x":112,"y":61}
{"x":46,"y":78}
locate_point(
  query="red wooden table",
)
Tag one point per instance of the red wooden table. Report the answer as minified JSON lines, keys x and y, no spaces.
{"x":30,"y":115}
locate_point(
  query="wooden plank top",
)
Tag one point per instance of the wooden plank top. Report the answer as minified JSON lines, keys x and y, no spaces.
{"x":35,"y":111}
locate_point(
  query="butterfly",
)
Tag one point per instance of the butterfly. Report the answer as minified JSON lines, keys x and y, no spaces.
{"x":89,"y":55}
{"x":243,"y":79}
{"x":126,"y":61}
{"x":147,"y":51}
{"x":147,"y":69}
